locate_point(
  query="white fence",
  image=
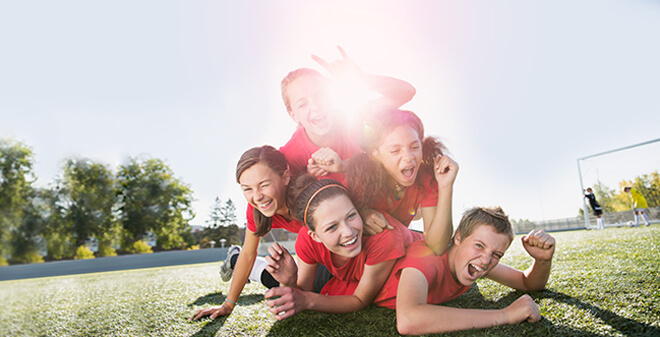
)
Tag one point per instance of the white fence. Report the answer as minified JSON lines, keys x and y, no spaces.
{"x":615,"y":219}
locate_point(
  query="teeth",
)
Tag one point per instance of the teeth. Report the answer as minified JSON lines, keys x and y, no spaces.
{"x":477,"y":268}
{"x":264,"y":204}
{"x":349,"y":242}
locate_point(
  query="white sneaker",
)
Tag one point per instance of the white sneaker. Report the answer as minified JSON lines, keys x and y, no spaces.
{"x":226,"y":271}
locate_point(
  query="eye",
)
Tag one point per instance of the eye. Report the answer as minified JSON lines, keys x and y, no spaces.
{"x":331,"y":228}
{"x":396,"y":151}
{"x":351,"y":216}
{"x":497,"y":255}
{"x":480,"y":246}
{"x":246,"y":189}
{"x":264,"y":185}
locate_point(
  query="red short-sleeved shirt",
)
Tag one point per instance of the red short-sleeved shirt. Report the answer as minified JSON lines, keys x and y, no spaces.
{"x":277,"y":222}
{"x":385,"y":246}
{"x":442,"y":286}
{"x":423,"y":193}
{"x":299,"y":149}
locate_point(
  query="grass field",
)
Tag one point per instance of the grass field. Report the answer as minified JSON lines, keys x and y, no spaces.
{"x":603,"y":283}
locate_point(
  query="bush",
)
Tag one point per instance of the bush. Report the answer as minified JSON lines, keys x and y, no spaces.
{"x":83,"y":253}
{"x":3,"y":262}
{"x":30,"y":257}
{"x":193,"y":247}
{"x":141,"y":247}
{"x":106,"y":250}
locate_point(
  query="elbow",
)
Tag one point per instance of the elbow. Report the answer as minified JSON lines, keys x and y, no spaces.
{"x":405,"y":323}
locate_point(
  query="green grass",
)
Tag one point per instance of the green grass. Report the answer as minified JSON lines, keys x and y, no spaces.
{"x":603,"y":283}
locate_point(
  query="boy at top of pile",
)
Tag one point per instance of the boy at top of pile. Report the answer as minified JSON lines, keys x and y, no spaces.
{"x":422,"y":279}
{"x":321,"y":142}
{"x":403,"y":173}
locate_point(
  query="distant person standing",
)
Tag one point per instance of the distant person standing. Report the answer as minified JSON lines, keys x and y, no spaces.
{"x":639,"y":204}
{"x":595,"y":206}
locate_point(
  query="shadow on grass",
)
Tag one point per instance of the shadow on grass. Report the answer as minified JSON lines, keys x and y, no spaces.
{"x":213,"y":326}
{"x":218,"y":298}
{"x":626,"y":326}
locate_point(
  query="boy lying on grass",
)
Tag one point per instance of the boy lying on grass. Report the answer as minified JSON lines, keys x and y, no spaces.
{"x":425,"y":279}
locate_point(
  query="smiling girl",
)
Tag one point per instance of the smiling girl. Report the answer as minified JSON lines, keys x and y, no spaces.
{"x":334,"y":238}
{"x":263,"y":175}
{"x":402,"y":172}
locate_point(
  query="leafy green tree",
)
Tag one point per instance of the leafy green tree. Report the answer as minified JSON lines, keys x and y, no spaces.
{"x":152,"y":199}
{"x":16,"y":178}
{"x":57,"y":231}
{"x":88,"y":193}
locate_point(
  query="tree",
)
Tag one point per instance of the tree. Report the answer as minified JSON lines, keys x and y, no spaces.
{"x":151,"y":199}
{"x":87,"y":189}
{"x":16,"y":192}
{"x":222,"y":224}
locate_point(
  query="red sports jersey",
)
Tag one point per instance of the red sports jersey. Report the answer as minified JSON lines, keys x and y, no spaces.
{"x":424,"y":193}
{"x":388,"y":245}
{"x":442,"y":286}
{"x":277,"y":222}
{"x":299,"y":149}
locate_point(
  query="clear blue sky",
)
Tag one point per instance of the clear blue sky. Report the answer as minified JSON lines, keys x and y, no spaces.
{"x":518,"y":90}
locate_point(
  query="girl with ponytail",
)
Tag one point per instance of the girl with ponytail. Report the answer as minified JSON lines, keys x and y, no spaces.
{"x":405,"y":174}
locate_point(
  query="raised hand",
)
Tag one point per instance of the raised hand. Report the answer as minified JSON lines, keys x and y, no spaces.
{"x":445,"y":170}
{"x":539,"y":245}
{"x":281,"y":265}
{"x":339,"y":68}
{"x":285,"y":302}
{"x":522,"y":309}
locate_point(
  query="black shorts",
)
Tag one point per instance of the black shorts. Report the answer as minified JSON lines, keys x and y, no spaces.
{"x":598,"y":212}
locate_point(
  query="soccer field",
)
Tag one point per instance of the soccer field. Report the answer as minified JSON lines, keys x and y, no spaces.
{"x":603,"y":283}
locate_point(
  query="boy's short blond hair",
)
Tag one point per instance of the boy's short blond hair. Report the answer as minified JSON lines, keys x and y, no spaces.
{"x":492,"y":216}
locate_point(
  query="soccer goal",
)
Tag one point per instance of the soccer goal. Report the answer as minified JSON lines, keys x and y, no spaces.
{"x":609,"y":168}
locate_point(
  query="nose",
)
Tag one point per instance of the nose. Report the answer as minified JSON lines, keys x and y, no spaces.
{"x":485,"y":259}
{"x":258,"y":195}
{"x":408,"y":155}
{"x":346,"y":230}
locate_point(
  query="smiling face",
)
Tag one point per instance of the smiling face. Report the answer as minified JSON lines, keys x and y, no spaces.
{"x":264,"y":189}
{"x":338,"y":226}
{"x":310,"y":106}
{"x":474,"y":256}
{"x":400,"y":153}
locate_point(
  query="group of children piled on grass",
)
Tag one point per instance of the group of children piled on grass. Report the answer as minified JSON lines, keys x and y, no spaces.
{"x":350,"y":192}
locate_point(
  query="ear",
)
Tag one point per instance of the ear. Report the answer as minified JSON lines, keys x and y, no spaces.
{"x":313,"y":235}
{"x":293,"y":116}
{"x":457,"y":238}
{"x":375,"y":154}
{"x":287,"y":177}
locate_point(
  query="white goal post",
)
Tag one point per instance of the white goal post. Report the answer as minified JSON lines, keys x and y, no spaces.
{"x":584,"y":202}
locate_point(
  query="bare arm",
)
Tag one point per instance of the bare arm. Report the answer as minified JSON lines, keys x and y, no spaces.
{"x":242,"y":270}
{"x":394,"y":92}
{"x":414,"y":316}
{"x":438,"y":220}
{"x":540,"y":246}
{"x":293,"y":301}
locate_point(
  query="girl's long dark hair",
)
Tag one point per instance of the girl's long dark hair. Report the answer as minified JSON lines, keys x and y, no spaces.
{"x":304,"y":188}
{"x":367,"y":179}
{"x":276,"y":161}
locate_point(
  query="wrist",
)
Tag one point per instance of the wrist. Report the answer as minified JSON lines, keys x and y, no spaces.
{"x":229,"y":303}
